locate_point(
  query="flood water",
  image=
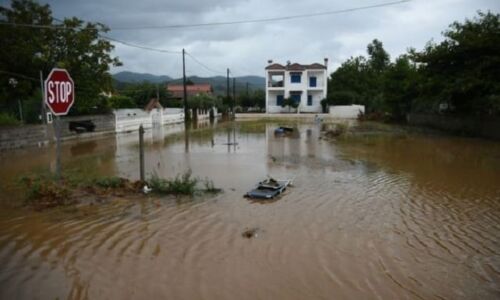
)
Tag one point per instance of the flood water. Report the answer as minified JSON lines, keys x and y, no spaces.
{"x":384,"y":215}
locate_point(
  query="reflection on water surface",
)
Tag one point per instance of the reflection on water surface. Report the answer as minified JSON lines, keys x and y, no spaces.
{"x":388,"y":216}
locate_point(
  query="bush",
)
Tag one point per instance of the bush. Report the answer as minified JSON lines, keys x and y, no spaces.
{"x":342,"y":98}
{"x":110,"y":182}
{"x":44,"y":192}
{"x":119,"y":101}
{"x":181,"y":184}
{"x":8,"y":120}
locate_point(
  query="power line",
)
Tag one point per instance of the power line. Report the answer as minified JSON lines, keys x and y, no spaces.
{"x":262,"y":20}
{"x":139,"y":46}
{"x":203,"y":65}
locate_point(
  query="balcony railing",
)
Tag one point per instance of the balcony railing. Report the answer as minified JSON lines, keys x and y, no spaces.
{"x":275,"y":84}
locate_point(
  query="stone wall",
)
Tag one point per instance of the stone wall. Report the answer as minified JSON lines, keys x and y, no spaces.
{"x":23,"y":136}
{"x":488,"y":127}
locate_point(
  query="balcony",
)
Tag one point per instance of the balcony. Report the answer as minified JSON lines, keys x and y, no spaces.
{"x":275,"y":84}
{"x":276,"y":80}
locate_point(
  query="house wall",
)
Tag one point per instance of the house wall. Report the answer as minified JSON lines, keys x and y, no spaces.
{"x":318,"y":92}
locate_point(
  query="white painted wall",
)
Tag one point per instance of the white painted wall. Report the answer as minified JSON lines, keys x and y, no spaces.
{"x":346,"y":111}
{"x":131,"y":119}
{"x":318,"y":92}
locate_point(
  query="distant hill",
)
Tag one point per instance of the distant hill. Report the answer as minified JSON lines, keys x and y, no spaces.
{"x":219,"y":83}
{"x":132,"y":77}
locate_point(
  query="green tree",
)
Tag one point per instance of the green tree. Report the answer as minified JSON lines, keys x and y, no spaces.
{"x":71,"y":44}
{"x":203,"y":101}
{"x":290,"y":102}
{"x":120,"y":101}
{"x":400,"y":87}
{"x":352,"y":78}
{"x":463,"y":70}
{"x":378,"y":58}
{"x":142,"y":93}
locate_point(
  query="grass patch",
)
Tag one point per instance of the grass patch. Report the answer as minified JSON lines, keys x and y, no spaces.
{"x":184,"y":184}
{"x":110,"y":182}
{"x":45,"y":192}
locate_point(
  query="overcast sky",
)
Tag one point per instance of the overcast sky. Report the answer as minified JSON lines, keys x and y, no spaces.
{"x":245,"y":48}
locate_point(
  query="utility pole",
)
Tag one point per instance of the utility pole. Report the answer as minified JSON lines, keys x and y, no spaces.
{"x":227,"y":95}
{"x":234,"y":95}
{"x":42,"y":111}
{"x":186,"y":110}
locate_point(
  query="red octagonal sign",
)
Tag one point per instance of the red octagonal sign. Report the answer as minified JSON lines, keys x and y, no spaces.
{"x":59,"y":92}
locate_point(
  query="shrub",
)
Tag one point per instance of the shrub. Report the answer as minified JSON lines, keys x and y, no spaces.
{"x":110,"y":182}
{"x":44,"y":192}
{"x":8,"y":120}
{"x":182,"y":184}
{"x":119,"y":101}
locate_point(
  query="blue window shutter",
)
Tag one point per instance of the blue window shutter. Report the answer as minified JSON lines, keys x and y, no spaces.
{"x":295,"y":77}
{"x":279,"y":100}
{"x":312,"y":81}
{"x":309,"y":100}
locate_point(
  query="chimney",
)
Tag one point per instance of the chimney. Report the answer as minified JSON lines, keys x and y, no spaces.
{"x":270,"y":61}
{"x":326,"y":62}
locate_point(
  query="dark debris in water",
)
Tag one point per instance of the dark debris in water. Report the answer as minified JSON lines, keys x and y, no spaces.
{"x":250,"y":233}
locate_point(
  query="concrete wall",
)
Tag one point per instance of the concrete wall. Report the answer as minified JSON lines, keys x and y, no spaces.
{"x":103,"y":124}
{"x":488,"y":127}
{"x":346,"y":111}
{"x":131,"y":119}
{"x":23,"y":136}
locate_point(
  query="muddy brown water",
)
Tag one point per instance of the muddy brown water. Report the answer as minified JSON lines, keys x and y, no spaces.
{"x":385,"y":215}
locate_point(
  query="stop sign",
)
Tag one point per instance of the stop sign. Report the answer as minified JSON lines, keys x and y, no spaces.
{"x":59,"y":91}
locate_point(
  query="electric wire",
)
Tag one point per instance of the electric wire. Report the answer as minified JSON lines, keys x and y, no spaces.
{"x":209,"y":24}
{"x":203,"y":65}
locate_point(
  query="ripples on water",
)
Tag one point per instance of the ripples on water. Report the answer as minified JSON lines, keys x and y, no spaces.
{"x":375,"y":217}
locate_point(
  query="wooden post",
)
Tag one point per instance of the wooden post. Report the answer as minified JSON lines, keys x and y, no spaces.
{"x":141,"y":152}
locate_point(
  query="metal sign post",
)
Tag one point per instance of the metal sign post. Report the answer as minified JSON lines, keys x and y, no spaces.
{"x":58,"y":147}
{"x":59,"y":95}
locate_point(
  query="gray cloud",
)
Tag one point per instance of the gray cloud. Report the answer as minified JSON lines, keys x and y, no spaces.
{"x":245,"y":48}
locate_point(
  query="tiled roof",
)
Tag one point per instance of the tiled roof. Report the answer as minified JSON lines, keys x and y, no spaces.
{"x":275,"y":67}
{"x":177,"y":90}
{"x":315,"y":66}
{"x":199,"y":87}
{"x":296,"y":67}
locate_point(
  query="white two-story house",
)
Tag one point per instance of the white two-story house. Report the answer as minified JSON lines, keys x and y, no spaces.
{"x":306,"y":84}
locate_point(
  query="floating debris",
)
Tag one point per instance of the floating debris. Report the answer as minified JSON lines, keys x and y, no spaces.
{"x":250,"y":233}
{"x":268,"y":189}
